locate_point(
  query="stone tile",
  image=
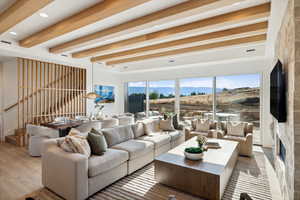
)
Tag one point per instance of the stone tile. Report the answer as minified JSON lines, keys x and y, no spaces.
{"x":297,"y":136}
{"x":297,"y":11}
{"x":297,"y":50}
{"x":297,"y":195}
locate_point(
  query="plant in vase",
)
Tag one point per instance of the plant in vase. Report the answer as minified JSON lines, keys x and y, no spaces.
{"x":196,"y":153}
{"x":201,"y":141}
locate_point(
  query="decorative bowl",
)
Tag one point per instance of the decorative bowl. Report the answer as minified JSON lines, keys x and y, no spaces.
{"x":193,"y":156}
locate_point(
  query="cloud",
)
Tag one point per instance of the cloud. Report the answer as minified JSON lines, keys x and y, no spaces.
{"x":137,"y":84}
{"x":196,"y":82}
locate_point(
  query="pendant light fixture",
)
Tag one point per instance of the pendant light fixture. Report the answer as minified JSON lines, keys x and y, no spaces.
{"x":92,"y":95}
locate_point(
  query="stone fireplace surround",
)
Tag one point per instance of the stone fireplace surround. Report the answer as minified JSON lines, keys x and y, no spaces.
{"x":287,"y":49}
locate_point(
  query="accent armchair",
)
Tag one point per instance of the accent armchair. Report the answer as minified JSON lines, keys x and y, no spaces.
{"x":192,"y":130}
{"x":245,"y":139}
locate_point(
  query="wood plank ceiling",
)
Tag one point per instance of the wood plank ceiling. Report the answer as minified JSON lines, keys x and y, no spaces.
{"x":245,"y":26}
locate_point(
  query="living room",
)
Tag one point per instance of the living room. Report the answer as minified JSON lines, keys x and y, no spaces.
{"x":158,"y":88}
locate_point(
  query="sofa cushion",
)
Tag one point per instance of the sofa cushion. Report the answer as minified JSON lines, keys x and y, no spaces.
{"x":110,"y":159}
{"x":117,"y":134}
{"x":166,"y":125}
{"x":109,"y":123}
{"x":235,"y":138}
{"x":175,"y":135}
{"x":138,"y":129}
{"x":151,"y":126}
{"x":135,"y":148}
{"x":196,"y":133}
{"x":158,"y":139}
{"x":236,"y":128}
{"x":203,"y":125}
{"x":87,"y":126}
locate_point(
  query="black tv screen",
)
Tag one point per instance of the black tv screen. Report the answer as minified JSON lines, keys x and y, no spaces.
{"x":277,"y":92}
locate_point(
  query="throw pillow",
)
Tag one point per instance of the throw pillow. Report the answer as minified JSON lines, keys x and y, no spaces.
{"x":166,"y":125}
{"x":202,"y":125}
{"x":76,"y":144}
{"x":175,"y":122}
{"x":138,"y":129}
{"x":76,"y":132}
{"x":97,"y":142}
{"x":148,"y":126}
{"x":236,"y":129}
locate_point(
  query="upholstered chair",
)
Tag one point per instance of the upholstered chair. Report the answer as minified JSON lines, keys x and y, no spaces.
{"x":193,"y":131}
{"x":245,"y":137}
{"x":38,"y":134}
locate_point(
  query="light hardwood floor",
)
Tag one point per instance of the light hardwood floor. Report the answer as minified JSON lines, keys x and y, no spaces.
{"x":20,"y":174}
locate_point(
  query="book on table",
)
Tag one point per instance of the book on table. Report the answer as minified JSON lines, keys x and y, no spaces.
{"x":212,"y":145}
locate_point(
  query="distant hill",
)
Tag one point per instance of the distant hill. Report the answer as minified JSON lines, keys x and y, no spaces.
{"x":169,"y":90}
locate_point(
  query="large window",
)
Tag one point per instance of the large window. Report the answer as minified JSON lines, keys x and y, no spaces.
{"x":161,"y":97}
{"x":136,"y":98}
{"x":238,"y":99}
{"x":196,"y":98}
{"x":235,"y":98}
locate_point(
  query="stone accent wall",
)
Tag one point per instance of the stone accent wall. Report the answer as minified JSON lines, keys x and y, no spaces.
{"x":288,"y":51}
{"x":297,"y":99}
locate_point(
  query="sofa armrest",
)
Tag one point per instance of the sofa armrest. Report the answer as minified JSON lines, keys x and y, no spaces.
{"x":249,"y":137}
{"x":246,"y":147}
{"x":249,"y":128}
{"x":220,"y":134}
{"x":64,"y":173}
{"x":187,"y":132}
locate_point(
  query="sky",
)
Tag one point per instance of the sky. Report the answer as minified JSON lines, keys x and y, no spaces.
{"x":230,"y":82}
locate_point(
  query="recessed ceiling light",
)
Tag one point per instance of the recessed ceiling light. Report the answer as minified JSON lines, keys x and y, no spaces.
{"x":237,"y":3}
{"x":250,"y":50}
{"x":44,"y":15}
{"x":13,"y":33}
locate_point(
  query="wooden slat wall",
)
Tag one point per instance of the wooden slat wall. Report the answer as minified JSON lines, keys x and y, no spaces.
{"x":48,"y":90}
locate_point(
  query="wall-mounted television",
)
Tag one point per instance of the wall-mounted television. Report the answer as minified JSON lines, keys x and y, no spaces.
{"x":278,"y":93}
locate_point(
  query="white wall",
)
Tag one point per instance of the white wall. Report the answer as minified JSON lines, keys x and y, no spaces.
{"x":240,"y":66}
{"x":1,"y":103}
{"x":278,"y":8}
{"x":10,"y":95}
{"x":106,"y":77}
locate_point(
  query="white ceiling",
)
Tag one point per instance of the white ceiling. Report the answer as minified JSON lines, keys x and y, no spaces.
{"x":213,"y":55}
{"x":59,"y":9}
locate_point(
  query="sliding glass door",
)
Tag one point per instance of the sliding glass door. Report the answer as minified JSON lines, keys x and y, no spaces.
{"x":136,"y":98}
{"x":238,"y":99}
{"x":235,"y":98}
{"x":196,"y":98}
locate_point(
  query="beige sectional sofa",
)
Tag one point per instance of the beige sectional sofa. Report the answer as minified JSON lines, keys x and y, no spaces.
{"x":76,"y":177}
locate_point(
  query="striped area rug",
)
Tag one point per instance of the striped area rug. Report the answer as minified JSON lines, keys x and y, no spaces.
{"x":248,"y":176}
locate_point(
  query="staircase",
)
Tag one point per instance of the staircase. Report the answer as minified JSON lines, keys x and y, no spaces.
{"x":46,"y":91}
{"x":19,"y":138}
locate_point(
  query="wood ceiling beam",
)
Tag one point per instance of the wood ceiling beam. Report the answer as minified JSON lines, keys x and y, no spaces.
{"x":239,"y":41}
{"x":19,"y":11}
{"x":253,"y":29}
{"x":91,"y":15}
{"x":178,"y":11}
{"x":252,"y":13}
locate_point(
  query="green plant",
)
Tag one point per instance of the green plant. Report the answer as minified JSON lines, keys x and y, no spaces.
{"x":201,"y":140}
{"x":153,"y":95}
{"x":194,"y":150}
